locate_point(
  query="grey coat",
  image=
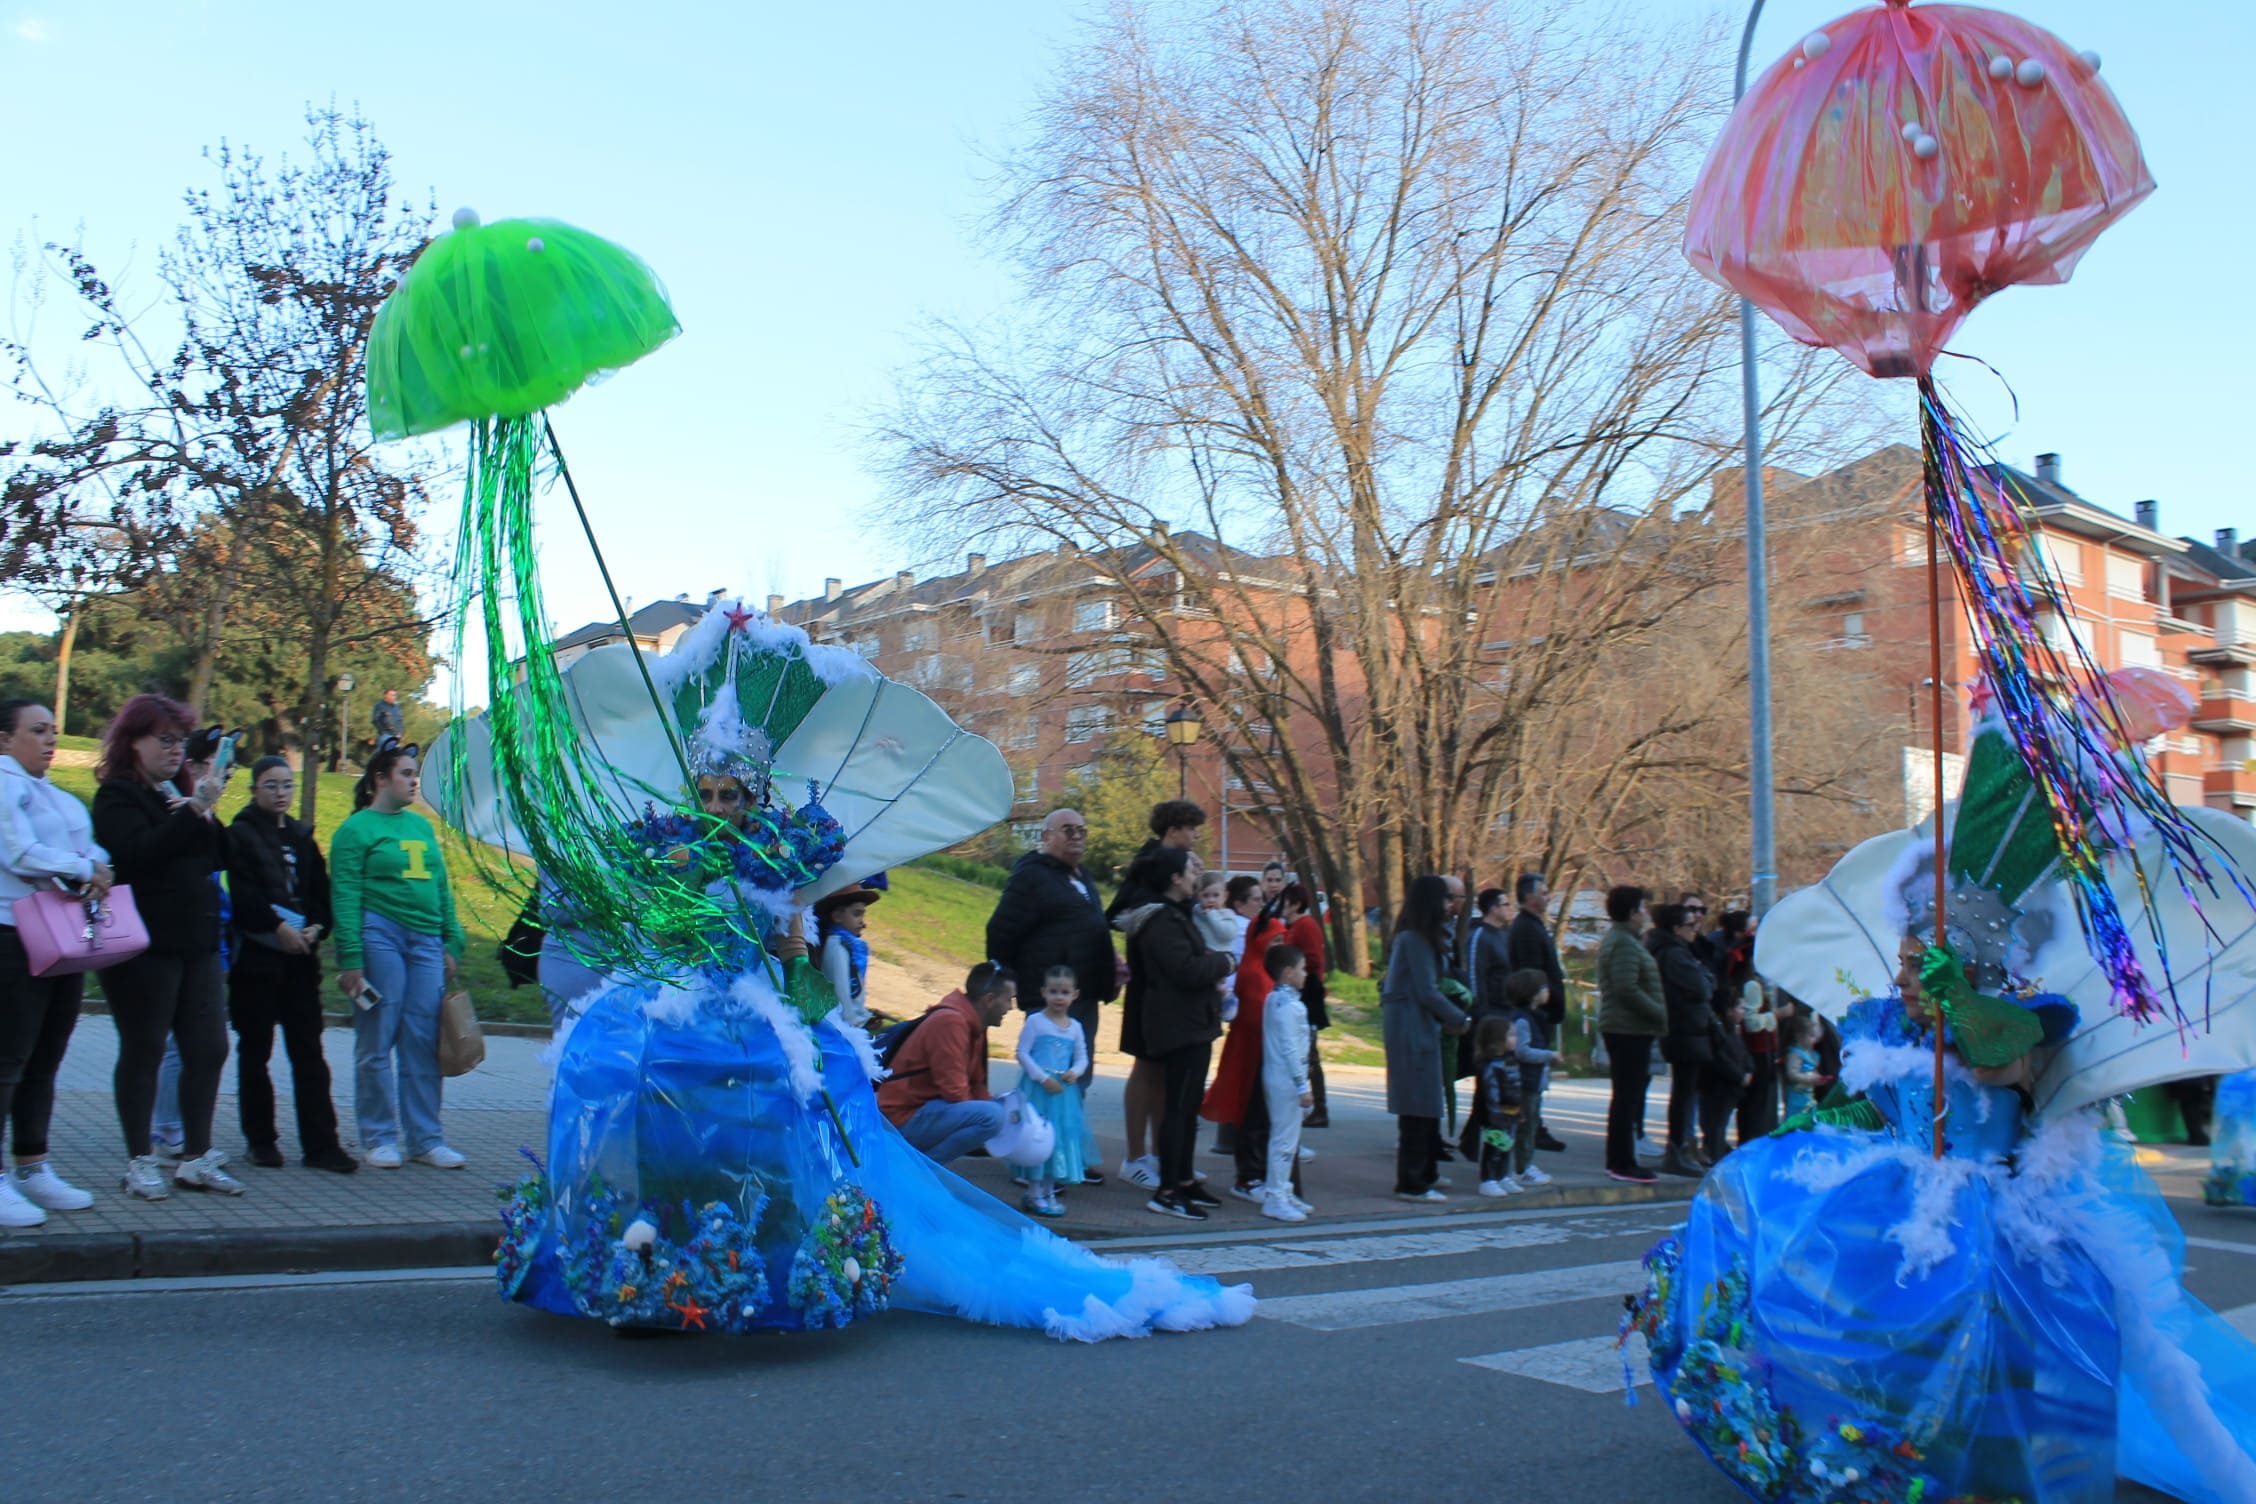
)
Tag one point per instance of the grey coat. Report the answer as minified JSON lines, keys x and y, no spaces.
{"x":1414,"y":1013}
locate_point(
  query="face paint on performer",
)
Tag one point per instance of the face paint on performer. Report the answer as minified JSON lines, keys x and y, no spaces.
{"x":723,"y":798}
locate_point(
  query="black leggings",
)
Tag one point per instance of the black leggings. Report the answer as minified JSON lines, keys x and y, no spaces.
{"x":1417,"y":1142}
{"x":1684,"y":1104}
{"x":37,"y":1015}
{"x":151,"y":996}
{"x":1182,"y":1088}
{"x":267,"y":989}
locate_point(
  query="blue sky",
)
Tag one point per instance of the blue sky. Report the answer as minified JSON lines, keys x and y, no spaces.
{"x":807,"y":180}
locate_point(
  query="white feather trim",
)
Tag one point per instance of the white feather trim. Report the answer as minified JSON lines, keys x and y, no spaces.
{"x":800,"y":1052}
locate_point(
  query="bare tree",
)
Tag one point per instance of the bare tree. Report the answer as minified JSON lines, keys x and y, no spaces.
{"x":1384,"y":302}
{"x":243,"y":462}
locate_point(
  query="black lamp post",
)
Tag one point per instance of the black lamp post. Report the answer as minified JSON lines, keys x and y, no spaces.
{"x":1183,"y":728}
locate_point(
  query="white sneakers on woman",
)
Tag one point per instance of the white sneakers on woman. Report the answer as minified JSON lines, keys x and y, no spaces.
{"x":42,"y":1187}
{"x":145,"y":1177}
{"x":440,"y":1157}
{"x":15,"y":1209}
{"x":206,"y":1173}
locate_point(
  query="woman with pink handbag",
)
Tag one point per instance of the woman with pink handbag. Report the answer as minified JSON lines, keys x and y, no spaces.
{"x":45,"y":837}
{"x":167,"y":847}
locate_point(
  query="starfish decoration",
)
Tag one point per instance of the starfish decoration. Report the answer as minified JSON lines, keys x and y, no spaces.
{"x":692,"y":1314}
{"x":738,"y":617}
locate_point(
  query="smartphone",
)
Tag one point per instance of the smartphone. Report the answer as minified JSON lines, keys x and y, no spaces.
{"x":367,"y":997}
{"x":224,"y":759}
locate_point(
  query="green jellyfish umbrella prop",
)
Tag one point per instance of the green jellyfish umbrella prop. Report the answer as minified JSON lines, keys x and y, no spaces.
{"x":493,"y":325}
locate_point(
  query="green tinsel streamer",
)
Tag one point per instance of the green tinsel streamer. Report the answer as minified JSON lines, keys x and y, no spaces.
{"x":640,"y":913}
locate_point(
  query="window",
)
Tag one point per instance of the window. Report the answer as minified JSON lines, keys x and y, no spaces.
{"x":1025,"y":678}
{"x":1084,"y":669}
{"x":1029,"y":785}
{"x":2065,"y":558}
{"x":2137,"y":650}
{"x":1094,"y":616}
{"x":920,"y":637}
{"x":1087,"y":722}
{"x":1911,"y":547}
{"x":2126,"y":576}
{"x":1155,"y":718}
{"x":1024,"y":737}
{"x":1027,"y":627}
{"x":864,"y":646}
{"x":1853,"y":634}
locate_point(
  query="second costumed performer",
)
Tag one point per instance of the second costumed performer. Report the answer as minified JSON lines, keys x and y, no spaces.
{"x":716,"y":1157}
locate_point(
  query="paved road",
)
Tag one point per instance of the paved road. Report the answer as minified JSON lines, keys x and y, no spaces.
{"x":1394,"y":1359}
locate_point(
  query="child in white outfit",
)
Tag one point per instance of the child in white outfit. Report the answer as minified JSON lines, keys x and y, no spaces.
{"x":1284,"y":1080}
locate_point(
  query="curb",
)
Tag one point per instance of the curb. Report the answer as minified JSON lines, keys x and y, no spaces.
{"x":278,"y":1250}
{"x":125,"y":1257}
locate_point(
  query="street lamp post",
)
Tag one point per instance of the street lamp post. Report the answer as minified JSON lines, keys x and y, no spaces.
{"x":344,"y":720}
{"x":1183,"y":728}
{"x":1764,"y":877}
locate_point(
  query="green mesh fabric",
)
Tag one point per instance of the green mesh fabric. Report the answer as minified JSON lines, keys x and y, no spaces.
{"x":2003,"y":839}
{"x":1988,"y":1031}
{"x":808,"y":991}
{"x":772,"y":694}
{"x":502,"y":320}
{"x":1856,"y":1113}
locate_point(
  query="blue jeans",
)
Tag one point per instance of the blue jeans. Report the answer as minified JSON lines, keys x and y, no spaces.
{"x":408,"y":969}
{"x":166,"y":1126}
{"x":950,"y":1130}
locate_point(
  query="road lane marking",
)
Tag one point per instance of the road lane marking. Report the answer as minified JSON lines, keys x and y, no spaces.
{"x":1350,"y":1310}
{"x":199,"y":1284}
{"x":2221,"y":1245}
{"x":1673,"y":1212}
{"x":1253,"y":1257}
{"x":1591,"y":1364}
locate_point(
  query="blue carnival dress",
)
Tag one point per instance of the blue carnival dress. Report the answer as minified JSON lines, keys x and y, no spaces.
{"x":717,"y":1162}
{"x":2232,"y":1144}
{"x":1071,"y":1158}
{"x":1845,"y":1318}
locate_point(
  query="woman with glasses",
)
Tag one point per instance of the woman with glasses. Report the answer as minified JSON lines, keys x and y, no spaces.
{"x":397,"y":940}
{"x":280,"y":891}
{"x":166,"y":846}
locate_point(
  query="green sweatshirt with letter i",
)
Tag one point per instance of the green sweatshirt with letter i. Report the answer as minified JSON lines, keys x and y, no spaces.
{"x":391,"y":864}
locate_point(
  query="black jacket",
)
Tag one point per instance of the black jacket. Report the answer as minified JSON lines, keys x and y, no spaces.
{"x":1687,"y":988}
{"x":261,"y":856}
{"x":1529,"y":943}
{"x":169,"y":858}
{"x":1176,"y":978}
{"x":1043,"y":920}
{"x":1133,"y":894}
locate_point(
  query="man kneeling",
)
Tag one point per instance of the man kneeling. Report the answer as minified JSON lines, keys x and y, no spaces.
{"x":937,"y":1094}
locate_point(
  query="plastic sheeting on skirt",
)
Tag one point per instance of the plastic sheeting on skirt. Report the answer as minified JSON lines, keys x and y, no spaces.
{"x":1843,"y":1318}
{"x":702,"y":1109}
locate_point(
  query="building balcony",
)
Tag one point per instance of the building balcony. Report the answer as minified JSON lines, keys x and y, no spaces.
{"x":2225,"y":654}
{"x":2226,"y":714}
{"x":2232,"y":782}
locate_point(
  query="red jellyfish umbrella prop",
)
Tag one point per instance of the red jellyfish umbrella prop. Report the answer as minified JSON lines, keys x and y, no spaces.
{"x":1884,"y":177}
{"x":1903,"y":164}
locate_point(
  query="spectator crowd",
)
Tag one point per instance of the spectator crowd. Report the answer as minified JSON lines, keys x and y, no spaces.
{"x":234,"y":914}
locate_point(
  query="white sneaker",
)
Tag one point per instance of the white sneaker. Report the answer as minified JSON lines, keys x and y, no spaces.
{"x":383,"y":1157}
{"x":1253,"y":1193}
{"x":1307,"y":1207}
{"x":204,"y":1173}
{"x":41,"y":1186}
{"x":1304,"y":1154}
{"x":15,"y":1211}
{"x":1283,"y":1209}
{"x":440,"y":1157}
{"x":1428,"y":1194}
{"x":1533,"y":1175}
{"x":1647,"y":1149}
{"x":1142,"y":1173}
{"x":1441,"y":1182}
{"x":145,"y":1177}
{"x":1506,"y":1186}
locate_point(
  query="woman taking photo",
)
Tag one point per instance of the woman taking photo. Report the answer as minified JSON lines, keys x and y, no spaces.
{"x":279,"y":888}
{"x":1175,"y":974}
{"x":397,"y":940}
{"x":167,"y":846}
{"x":1414,"y":1015}
{"x":45,"y":837}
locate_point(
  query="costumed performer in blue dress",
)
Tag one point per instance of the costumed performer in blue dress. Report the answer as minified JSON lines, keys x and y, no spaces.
{"x":1846,"y":1317}
{"x":716,"y":1157}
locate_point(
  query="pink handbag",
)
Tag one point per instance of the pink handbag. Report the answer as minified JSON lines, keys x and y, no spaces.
{"x":63,"y":934}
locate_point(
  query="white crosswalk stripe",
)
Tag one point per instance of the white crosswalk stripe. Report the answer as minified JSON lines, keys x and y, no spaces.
{"x":1591,"y":1364}
{"x":1348,"y":1310}
{"x":1244,"y":1258}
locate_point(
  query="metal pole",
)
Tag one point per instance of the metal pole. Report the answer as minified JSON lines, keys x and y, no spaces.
{"x":1760,"y":790}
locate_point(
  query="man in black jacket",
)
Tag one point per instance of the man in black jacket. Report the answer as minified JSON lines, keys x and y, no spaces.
{"x":1530,"y":946}
{"x":278,"y":889}
{"x":1050,"y":915}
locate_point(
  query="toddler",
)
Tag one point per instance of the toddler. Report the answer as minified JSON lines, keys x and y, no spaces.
{"x":1496,"y":1104}
{"x":1527,"y":992}
{"x":1284,"y":1080}
{"x":1802,"y":1076}
{"x":1053,"y":1053}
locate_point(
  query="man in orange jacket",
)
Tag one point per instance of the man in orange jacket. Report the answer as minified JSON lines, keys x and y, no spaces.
{"x":937,"y":1093}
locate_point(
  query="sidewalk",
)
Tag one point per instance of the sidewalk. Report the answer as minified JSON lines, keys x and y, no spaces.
{"x":299,"y":1219}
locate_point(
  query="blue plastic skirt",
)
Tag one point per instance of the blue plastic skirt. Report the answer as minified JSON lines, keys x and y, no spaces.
{"x":697,"y":1177}
{"x":2232,"y":1144}
{"x":1844,"y":1319}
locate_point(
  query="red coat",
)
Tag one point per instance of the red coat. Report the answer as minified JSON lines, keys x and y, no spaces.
{"x":1238,"y":1079}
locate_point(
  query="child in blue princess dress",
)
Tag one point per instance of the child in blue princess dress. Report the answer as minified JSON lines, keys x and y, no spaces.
{"x":1053,"y":1053}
